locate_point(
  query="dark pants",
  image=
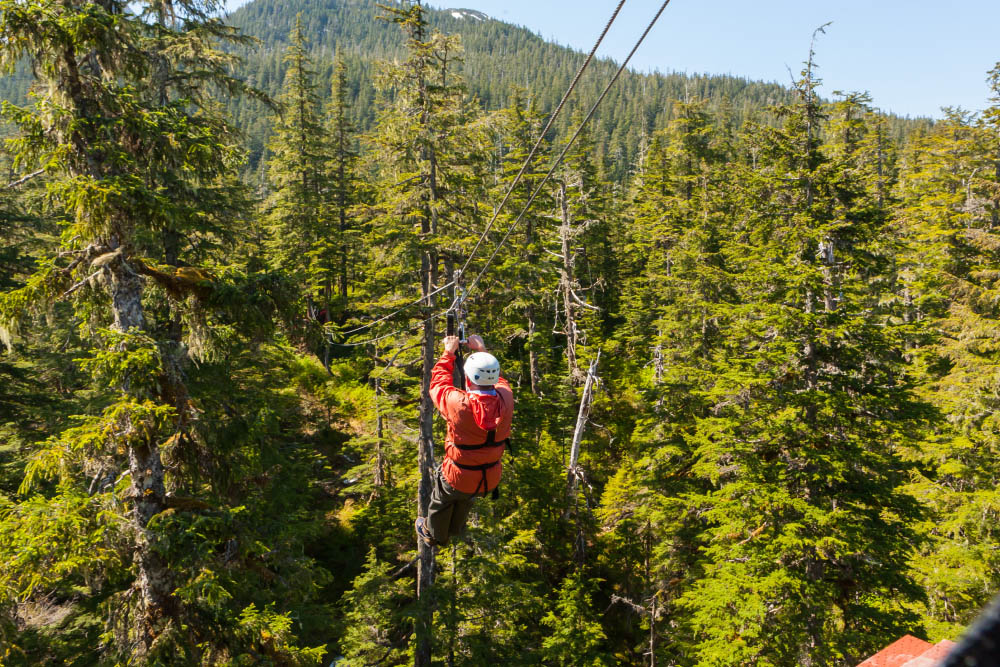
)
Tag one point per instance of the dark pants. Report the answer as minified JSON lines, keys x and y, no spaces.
{"x":448,"y":510}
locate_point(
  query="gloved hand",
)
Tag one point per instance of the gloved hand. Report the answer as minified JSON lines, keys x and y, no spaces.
{"x":450,"y":344}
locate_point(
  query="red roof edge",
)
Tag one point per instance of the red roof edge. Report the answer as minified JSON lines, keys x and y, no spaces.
{"x":898,"y":653}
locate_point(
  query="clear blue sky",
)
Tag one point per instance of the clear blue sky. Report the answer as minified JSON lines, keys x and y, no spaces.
{"x":913,"y":56}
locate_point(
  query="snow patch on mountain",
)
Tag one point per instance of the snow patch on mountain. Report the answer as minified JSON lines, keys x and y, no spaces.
{"x":468,"y":14}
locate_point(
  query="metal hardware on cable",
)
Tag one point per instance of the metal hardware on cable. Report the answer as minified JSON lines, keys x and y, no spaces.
{"x":461,"y":311}
{"x":457,"y":327}
{"x":453,"y":329}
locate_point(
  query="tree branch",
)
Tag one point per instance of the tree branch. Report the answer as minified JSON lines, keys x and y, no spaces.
{"x":401,"y":571}
{"x":24,"y":179}
{"x":81,"y":283}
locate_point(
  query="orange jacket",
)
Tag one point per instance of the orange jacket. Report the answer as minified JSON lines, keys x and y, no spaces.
{"x":470,"y":416}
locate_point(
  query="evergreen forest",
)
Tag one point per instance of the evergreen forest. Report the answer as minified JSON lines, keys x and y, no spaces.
{"x":753,"y":333}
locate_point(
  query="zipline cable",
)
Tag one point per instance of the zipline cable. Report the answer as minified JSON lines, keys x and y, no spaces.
{"x":524,"y":167}
{"x":397,"y":311}
{"x":517,"y":179}
{"x":392,"y":334}
{"x":369,"y":341}
{"x":541,"y":136}
{"x":562,"y":155}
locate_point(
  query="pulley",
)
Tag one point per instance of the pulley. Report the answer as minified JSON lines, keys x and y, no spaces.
{"x":456,"y":327}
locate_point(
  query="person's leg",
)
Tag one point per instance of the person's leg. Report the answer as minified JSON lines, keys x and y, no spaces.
{"x":460,"y":516}
{"x":440,"y":509}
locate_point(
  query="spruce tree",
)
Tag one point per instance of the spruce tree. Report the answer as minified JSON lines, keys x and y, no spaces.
{"x":675,"y":306}
{"x":136,"y":520}
{"x":949,"y":187}
{"x":374,"y":632}
{"x":429,"y":163}
{"x":335,"y":251}
{"x":807,"y":530}
{"x":576,"y":636}
{"x":297,"y":170}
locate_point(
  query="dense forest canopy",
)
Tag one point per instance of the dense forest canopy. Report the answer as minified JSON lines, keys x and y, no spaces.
{"x":751,"y":332}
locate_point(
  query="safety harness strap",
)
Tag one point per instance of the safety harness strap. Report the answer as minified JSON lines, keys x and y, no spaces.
{"x":490,"y":442}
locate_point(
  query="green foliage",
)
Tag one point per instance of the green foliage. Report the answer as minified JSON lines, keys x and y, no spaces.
{"x":297,"y":169}
{"x":373,"y":609}
{"x":791,"y":456}
{"x":576,"y":635}
{"x":948,"y":190}
{"x":270,"y":631}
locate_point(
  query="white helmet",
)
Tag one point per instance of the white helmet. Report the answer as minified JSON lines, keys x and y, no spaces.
{"x":482,"y":368}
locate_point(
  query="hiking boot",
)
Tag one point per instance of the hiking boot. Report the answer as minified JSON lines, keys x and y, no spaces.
{"x":422,"y":532}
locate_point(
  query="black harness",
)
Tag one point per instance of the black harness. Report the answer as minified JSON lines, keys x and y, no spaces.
{"x":490,"y":442}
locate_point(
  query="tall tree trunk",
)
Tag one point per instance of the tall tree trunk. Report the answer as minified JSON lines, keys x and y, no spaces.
{"x":652,"y":632}
{"x":453,"y":616}
{"x":425,"y":573}
{"x":342,"y":210}
{"x":827,"y":251}
{"x":428,"y":226}
{"x":342,"y":228}
{"x":380,"y":466}
{"x":581,"y":422}
{"x":566,"y":288}
{"x":534,"y":377}
{"x":147,"y":492}
{"x":573,"y":471}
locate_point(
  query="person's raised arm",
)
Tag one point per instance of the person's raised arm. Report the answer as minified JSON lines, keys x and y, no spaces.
{"x":441,"y":374}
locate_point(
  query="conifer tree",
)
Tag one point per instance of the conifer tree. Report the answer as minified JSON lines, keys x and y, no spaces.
{"x":297,"y":169}
{"x":949,"y":188}
{"x":675,"y":306}
{"x":577,"y":636}
{"x":808,"y":531}
{"x":531,"y":275}
{"x":429,"y":170}
{"x":371,"y":616}
{"x":134,"y":154}
{"x":335,"y":249}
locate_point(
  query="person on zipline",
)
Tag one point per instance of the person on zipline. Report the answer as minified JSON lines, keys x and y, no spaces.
{"x":478,"y":433}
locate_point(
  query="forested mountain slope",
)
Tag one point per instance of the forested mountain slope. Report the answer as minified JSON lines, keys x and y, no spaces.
{"x":497,"y":57}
